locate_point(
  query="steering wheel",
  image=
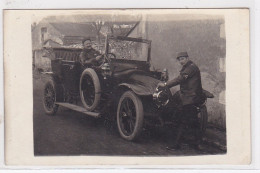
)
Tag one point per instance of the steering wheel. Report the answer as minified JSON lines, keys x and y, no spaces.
{"x":111,"y":55}
{"x":107,"y":58}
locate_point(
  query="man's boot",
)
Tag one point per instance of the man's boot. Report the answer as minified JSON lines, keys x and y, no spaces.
{"x":198,"y":139}
{"x":176,"y":145}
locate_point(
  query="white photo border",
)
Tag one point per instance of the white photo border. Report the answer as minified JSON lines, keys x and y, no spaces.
{"x":254,"y":43}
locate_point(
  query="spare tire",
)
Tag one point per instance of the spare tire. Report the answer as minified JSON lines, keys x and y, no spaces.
{"x":90,"y":89}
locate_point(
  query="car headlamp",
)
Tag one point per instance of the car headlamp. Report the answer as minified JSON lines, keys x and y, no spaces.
{"x":161,"y":97}
{"x":106,"y":70}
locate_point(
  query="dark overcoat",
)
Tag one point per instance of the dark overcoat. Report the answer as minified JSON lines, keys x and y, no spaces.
{"x":190,"y":84}
{"x":88,"y":54}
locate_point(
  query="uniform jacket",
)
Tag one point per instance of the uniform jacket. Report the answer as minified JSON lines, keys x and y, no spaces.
{"x":88,"y":54}
{"x":190,"y":84}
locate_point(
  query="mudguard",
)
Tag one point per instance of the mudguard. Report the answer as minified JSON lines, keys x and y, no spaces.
{"x":208,"y":94}
{"x":141,"y":84}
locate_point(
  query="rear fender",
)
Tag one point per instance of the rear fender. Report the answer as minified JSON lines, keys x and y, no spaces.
{"x":53,"y":76}
{"x":208,"y":94}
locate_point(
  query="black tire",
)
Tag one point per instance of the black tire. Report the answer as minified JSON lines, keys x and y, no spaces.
{"x":203,"y":118}
{"x":130,"y":112}
{"x":90,"y":89}
{"x":49,"y":98}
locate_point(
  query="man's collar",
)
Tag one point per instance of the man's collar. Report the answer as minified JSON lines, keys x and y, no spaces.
{"x":186,"y":65}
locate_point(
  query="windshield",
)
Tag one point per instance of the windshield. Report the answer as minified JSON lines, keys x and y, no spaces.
{"x":130,"y":50}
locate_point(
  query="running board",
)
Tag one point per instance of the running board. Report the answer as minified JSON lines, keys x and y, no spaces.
{"x":79,"y":109}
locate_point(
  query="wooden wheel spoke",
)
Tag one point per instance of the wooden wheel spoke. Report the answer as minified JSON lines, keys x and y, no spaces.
{"x":132,"y":125}
{"x":127,"y":104}
{"x":130,"y":116}
{"x":124,"y":108}
{"x":49,"y":98}
{"x":125,"y":124}
{"x":133,"y":118}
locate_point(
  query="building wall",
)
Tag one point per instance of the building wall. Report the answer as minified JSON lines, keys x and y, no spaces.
{"x":52,"y":34}
{"x":204,"y":40}
{"x":40,"y":61}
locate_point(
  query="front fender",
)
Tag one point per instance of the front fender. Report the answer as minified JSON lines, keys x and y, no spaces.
{"x":138,"y":89}
{"x":141,"y":84}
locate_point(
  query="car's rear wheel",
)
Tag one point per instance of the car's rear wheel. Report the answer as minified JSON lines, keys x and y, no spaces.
{"x":90,"y":89}
{"x":49,"y":98}
{"x":130,"y":116}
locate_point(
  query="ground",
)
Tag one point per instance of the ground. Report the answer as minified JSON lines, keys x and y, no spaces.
{"x":72,"y":133}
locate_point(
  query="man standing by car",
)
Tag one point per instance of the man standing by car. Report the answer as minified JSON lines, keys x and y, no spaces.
{"x":89,"y":56}
{"x":190,"y":95}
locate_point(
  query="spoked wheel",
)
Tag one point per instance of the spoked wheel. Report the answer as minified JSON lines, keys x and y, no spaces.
{"x":130,"y":116}
{"x":49,"y":98}
{"x":90,"y":90}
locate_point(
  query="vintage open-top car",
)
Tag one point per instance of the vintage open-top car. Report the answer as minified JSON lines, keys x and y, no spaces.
{"x":121,"y":86}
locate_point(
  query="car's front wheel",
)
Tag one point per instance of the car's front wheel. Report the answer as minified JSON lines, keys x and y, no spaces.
{"x":130,"y":116}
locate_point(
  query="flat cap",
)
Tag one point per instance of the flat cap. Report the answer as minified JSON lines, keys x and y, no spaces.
{"x":182,"y":54}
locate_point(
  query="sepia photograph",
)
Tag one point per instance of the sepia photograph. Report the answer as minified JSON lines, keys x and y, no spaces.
{"x":135,"y":87}
{"x":135,"y":84}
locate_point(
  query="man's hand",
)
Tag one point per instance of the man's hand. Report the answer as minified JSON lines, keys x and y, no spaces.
{"x":90,"y":61}
{"x":99,"y":57}
{"x":161,"y":85}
